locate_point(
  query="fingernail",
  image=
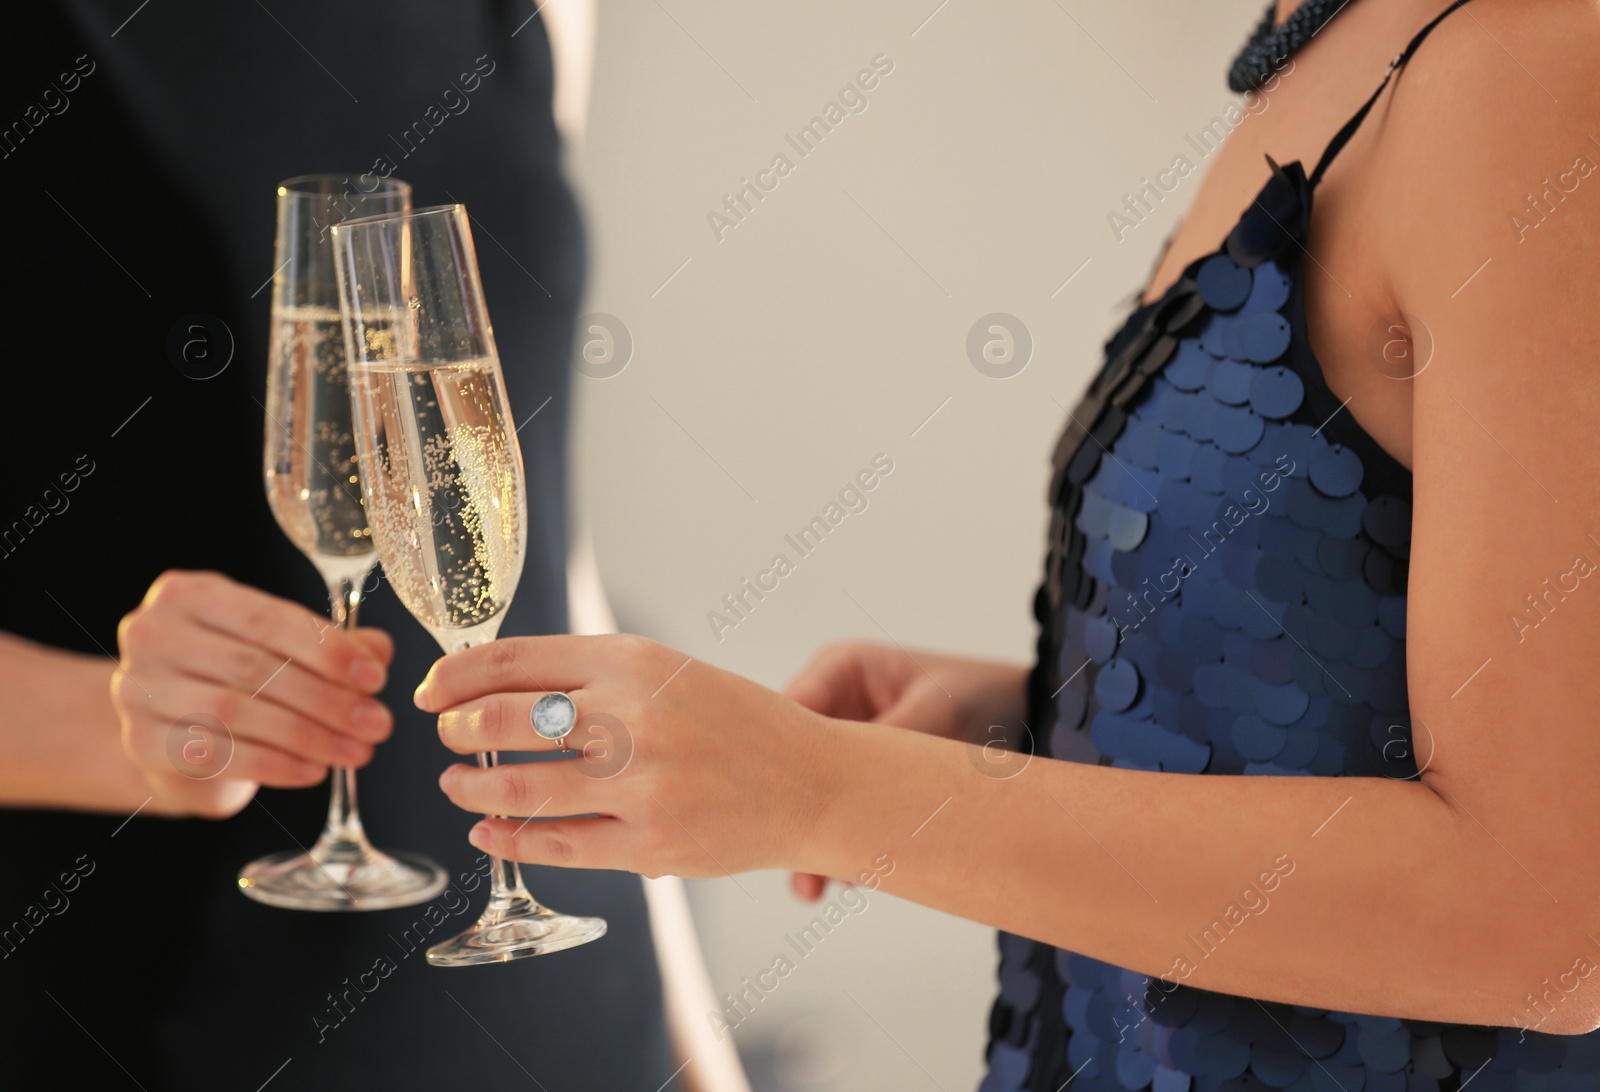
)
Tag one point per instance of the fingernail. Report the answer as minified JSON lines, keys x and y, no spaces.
{"x":371,"y":718}
{"x":479,"y":836}
{"x":367,"y":674}
{"x":420,"y":696}
{"x":354,"y":754}
{"x":446,"y":777}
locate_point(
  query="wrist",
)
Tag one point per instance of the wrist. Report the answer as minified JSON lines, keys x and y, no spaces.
{"x":826,"y":793}
{"x":862,"y":784}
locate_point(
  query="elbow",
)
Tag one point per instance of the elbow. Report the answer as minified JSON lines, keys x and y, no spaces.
{"x":1570,"y":1020}
{"x":1565,"y":1003}
{"x":1568,"y":1023}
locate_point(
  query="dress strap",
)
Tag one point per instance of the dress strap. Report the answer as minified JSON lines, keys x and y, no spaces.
{"x":1342,"y":137}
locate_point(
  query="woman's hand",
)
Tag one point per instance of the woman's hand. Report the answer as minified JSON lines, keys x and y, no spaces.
{"x":975,"y":701}
{"x":937,"y":695}
{"x":688,"y":770}
{"x":221,"y":688}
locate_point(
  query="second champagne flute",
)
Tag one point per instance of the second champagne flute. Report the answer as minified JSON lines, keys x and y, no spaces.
{"x":311,"y":486}
{"x":443,"y":480}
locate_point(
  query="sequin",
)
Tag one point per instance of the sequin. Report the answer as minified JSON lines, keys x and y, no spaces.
{"x":1229,"y":382}
{"x":1222,"y":284}
{"x":1276,"y":1066}
{"x":1134,"y":1067}
{"x":1276,"y":392}
{"x":1189,"y":366}
{"x":1213,"y":335}
{"x":1336,"y":471}
{"x":1269,"y":289}
{"x":1226,"y":595}
{"x":1126,"y":528}
{"x":1237,"y":429}
{"x":1262,"y":336}
{"x":1388,"y":521}
{"x":1257,"y":740}
{"x":1117,"y":685}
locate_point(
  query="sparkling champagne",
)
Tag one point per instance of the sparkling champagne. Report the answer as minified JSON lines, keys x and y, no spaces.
{"x":311,"y":471}
{"x":444,"y":487}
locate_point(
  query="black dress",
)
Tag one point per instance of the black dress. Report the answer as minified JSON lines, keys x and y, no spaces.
{"x":138,"y":161}
{"x":1225,"y":593}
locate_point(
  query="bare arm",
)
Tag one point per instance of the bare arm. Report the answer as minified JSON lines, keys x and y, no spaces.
{"x":219,"y":688}
{"x":60,"y":743}
{"x":1451,"y":897}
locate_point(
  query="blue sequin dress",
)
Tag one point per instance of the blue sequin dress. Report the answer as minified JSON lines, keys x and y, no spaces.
{"x":1225,"y":593}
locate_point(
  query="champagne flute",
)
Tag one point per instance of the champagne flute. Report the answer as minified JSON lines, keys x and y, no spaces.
{"x":442,"y":475}
{"x":312,"y":489}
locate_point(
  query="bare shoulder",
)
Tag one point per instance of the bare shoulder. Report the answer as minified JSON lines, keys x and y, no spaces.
{"x":1533,"y":53}
{"x":1490,"y":209}
{"x":1502,"y":93}
{"x":1491,"y":144}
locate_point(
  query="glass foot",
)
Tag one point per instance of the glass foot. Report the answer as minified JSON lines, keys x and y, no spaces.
{"x":515,"y":928}
{"x":345,"y":877}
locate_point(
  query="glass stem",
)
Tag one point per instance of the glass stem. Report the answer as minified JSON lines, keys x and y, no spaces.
{"x":343,"y":833}
{"x":505,"y":880}
{"x":506,"y":889}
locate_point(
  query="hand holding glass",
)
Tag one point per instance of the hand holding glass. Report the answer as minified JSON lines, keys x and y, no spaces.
{"x":311,"y":484}
{"x":443,"y":481}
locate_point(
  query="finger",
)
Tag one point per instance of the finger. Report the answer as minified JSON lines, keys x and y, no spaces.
{"x":219,"y":658}
{"x":807,"y":886}
{"x":902,"y":713}
{"x":233,"y":760}
{"x":561,"y":662}
{"x":600,"y":842}
{"x":254,"y":617}
{"x":263,"y":722}
{"x":525,"y":789}
{"x":830,"y":685}
{"x":503,"y":722}
{"x":378,"y":642}
{"x":269,"y":766}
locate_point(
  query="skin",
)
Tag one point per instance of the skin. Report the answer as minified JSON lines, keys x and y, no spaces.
{"x":198,"y":644}
{"x":1447,"y":897}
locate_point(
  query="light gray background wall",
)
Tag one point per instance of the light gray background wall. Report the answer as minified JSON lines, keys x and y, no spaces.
{"x":826,"y":329}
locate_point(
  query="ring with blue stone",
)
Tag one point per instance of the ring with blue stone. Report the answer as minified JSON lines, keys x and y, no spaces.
{"x":554,"y":716}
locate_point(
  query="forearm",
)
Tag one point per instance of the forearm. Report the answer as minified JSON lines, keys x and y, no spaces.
{"x":59,"y":736}
{"x":1387,"y":898}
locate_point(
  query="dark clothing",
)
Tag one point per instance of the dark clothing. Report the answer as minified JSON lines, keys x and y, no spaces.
{"x":1226,"y":594}
{"x":139,"y":167}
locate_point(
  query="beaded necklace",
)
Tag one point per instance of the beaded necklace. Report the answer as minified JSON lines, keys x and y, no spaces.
{"x":1270,"y":46}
